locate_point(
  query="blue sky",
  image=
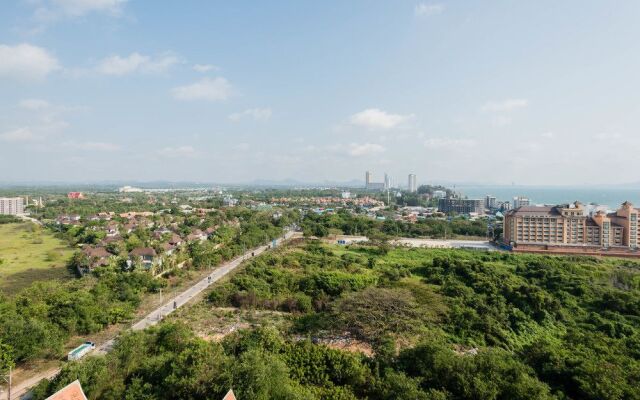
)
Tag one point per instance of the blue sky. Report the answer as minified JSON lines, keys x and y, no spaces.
{"x":541,"y":92}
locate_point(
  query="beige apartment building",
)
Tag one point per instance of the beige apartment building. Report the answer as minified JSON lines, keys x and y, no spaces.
{"x":569,"y":225}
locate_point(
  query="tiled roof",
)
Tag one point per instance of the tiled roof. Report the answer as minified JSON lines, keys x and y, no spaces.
{"x":142,"y":251}
{"x":230,"y":395}
{"x":72,"y":391}
{"x":99,"y":252}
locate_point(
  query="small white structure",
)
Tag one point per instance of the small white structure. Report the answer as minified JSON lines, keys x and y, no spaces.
{"x":80,"y":351}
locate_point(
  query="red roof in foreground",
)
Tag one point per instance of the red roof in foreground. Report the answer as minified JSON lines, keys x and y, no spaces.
{"x":72,"y":391}
{"x":229,"y":395}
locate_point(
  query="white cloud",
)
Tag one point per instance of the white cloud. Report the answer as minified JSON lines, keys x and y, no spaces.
{"x":178,"y":152}
{"x":204,"y":67}
{"x":548,"y":135}
{"x":608,"y":136}
{"x":505,"y":105}
{"x":54,"y":9}
{"x":136,"y":62}
{"x":242,"y":147}
{"x":447,"y":143}
{"x":427,"y":10}
{"x":26,"y":62}
{"x":501,"y":120}
{"x":18,"y":135}
{"x":34,"y":104}
{"x":365,"y":149}
{"x":205,"y":89}
{"x":259,"y":114}
{"x":374,"y":118}
{"x":92,"y":146}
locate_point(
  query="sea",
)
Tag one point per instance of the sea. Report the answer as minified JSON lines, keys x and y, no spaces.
{"x":611,"y":197}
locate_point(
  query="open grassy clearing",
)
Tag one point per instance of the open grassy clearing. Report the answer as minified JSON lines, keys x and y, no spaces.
{"x":29,"y":253}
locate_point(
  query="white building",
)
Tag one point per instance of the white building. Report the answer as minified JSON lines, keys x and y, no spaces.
{"x":412,"y":184}
{"x":490,"y":202}
{"x":11,"y":205}
{"x":439,"y":194}
{"x":387,"y":182}
{"x":521,"y":201}
{"x":129,"y":189}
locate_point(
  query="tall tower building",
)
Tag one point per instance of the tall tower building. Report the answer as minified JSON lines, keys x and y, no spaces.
{"x":367,"y":179}
{"x":412,"y":185}
{"x":387,"y":181}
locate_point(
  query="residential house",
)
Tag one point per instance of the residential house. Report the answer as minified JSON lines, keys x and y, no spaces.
{"x":229,"y":396}
{"x":97,"y":256}
{"x":128,"y":228}
{"x":197,"y":234}
{"x":73,"y":391}
{"x":110,"y":239}
{"x":146,"y":256}
{"x":169,"y":248}
{"x":68,"y":220}
{"x":112,"y":229}
{"x":159,"y":233}
{"x":175,"y":240}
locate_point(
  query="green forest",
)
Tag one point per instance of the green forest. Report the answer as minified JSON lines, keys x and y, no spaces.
{"x":344,"y":222}
{"x":443,"y":324}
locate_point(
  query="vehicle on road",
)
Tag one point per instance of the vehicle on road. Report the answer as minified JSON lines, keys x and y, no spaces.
{"x":80,"y":351}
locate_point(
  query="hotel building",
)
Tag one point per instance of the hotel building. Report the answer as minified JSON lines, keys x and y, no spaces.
{"x":569,"y":225}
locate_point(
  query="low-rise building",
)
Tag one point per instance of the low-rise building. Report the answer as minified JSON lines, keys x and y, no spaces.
{"x":75,"y":195}
{"x":145,"y":256}
{"x":96,"y":257}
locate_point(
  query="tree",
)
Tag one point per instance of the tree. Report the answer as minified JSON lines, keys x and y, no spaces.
{"x":6,"y":357}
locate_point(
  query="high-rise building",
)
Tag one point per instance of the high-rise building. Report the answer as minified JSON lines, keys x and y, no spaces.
{"x":521,"y":201}
{"x":569,"y":225}
{"x":369,"y":185}
{"x":490,"y":202}
{"x":412,"y":185}
{"x":387,"y":182}
{"x":11,"y":205}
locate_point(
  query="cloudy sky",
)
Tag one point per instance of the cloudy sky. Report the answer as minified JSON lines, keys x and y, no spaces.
{"x":537,"y":92}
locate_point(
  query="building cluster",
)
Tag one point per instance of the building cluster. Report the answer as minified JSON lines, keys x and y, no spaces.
{"x":387,"y":183}
{"x":571,"y":225}
{"x":343,"y":200}
{"x":166,"y":238}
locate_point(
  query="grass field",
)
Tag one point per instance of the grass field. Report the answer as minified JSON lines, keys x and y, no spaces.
{"x":30,"y":253}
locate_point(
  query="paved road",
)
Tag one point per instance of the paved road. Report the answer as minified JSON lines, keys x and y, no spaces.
{"x":155,"y":316}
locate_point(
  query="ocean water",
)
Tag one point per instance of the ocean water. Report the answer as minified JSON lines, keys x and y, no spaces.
{"x":608,"y":196}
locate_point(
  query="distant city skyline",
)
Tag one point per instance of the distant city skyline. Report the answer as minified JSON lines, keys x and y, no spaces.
{"x":485,"y":92}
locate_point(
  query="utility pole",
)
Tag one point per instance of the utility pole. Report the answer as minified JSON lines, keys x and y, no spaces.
{"x":8,"y":380}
